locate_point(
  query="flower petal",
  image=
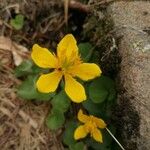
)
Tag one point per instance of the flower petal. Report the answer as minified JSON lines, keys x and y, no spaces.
{"x":43,"y":57}
{"x":67,"y":47}
{"x":49,"y":82}
{"x":83,"y":118}
{"x":99,"y":122}
{"x":97,"y":135}
{"x":86,"y":71}
{"x":74,"y":89}
{"x":80,"y":132}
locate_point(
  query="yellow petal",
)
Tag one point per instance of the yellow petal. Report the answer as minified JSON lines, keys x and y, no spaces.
{"x":74,"y":89}
{"x":67,"y":47}
{"x":43,"y":57}
{"x":86,"y":71}
{"x":83,"y":118}
{"x":99,"y":122}
{"x":80,"y":132}
{"x":49,"y":82}
{"x":97,"y":135}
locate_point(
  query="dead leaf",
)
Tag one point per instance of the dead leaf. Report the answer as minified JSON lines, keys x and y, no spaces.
{"x":19,"y":52}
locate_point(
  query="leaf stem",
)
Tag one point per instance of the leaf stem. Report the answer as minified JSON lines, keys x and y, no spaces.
{"x":115,"y":139}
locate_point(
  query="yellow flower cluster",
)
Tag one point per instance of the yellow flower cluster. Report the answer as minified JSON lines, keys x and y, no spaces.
{"x":68,"y":65}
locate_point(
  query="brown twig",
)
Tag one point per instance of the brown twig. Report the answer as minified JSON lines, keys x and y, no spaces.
{"x":73,"y":4}
{"x":16,"y":6}
{"x":78,"y":5}
{"x":61,"y":24}
{"x":103,"y":2}
{"x":66,"y":7}
{"x":4,"y":23}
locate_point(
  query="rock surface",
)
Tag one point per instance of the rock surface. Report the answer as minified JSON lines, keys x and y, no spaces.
{"x":132,"y":25}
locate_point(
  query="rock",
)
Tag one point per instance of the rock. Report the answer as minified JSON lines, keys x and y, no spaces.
{"x":132,"y":25}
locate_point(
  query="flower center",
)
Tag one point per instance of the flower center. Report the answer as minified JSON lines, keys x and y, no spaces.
{"x":90,"y":125}
{"x":65,"y":65}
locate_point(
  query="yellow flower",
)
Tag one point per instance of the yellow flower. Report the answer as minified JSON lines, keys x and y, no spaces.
{"x":91,"y":125}
{"x":66,"y":64}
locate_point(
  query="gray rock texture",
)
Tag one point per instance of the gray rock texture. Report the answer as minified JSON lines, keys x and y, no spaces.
{"x":132,"y":26}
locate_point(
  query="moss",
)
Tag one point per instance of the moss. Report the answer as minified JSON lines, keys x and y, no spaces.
{"x":99,"y":30}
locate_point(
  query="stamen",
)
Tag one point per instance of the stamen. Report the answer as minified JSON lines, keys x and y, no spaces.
{"x":59,"y":69}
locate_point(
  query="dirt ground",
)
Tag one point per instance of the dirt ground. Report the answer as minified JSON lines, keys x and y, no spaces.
{"x":22,"y":123}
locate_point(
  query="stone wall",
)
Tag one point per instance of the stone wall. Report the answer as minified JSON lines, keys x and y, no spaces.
{"x":132,"y":26}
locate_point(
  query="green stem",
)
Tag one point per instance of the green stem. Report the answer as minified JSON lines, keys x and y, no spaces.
{"x":115,"y":139}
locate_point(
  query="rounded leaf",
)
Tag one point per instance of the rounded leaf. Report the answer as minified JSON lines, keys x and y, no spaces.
{"x":61,"y":102}
{"x":101,"y":89}
{"x":94,"y":108}
{"x":17,"y":22}
{"x":68,"y":136}
{"x":55,"y":120}
{"x":97,"y":92}
{"x":27,"y":90}
{"x":24,"y":68}
{"x":77,"y":146}
{"x":85,"y":50}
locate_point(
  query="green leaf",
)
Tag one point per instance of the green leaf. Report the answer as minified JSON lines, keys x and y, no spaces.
{"x":102,"y":110}
{"x":77,"y":146}
{"x":37,"y":70}
{"x":95,"y":57}
{"x":68,"y":136}
{"x":27,"y":67}
{"x":97,"y":92}
{"x":110,"y":86}
{"x":85,"y":49}
{"x":17,"y":22}
{"x":27,"y":90}
{"x":96,"y":146}
{"x":101,"y":89}
{"x":61,"y":102}
{"x":24,"y":68}
{"x":55,"y":120}
{"x":93,"y":108}
{"x":112,"y":94}
{"x":62,"y":84}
